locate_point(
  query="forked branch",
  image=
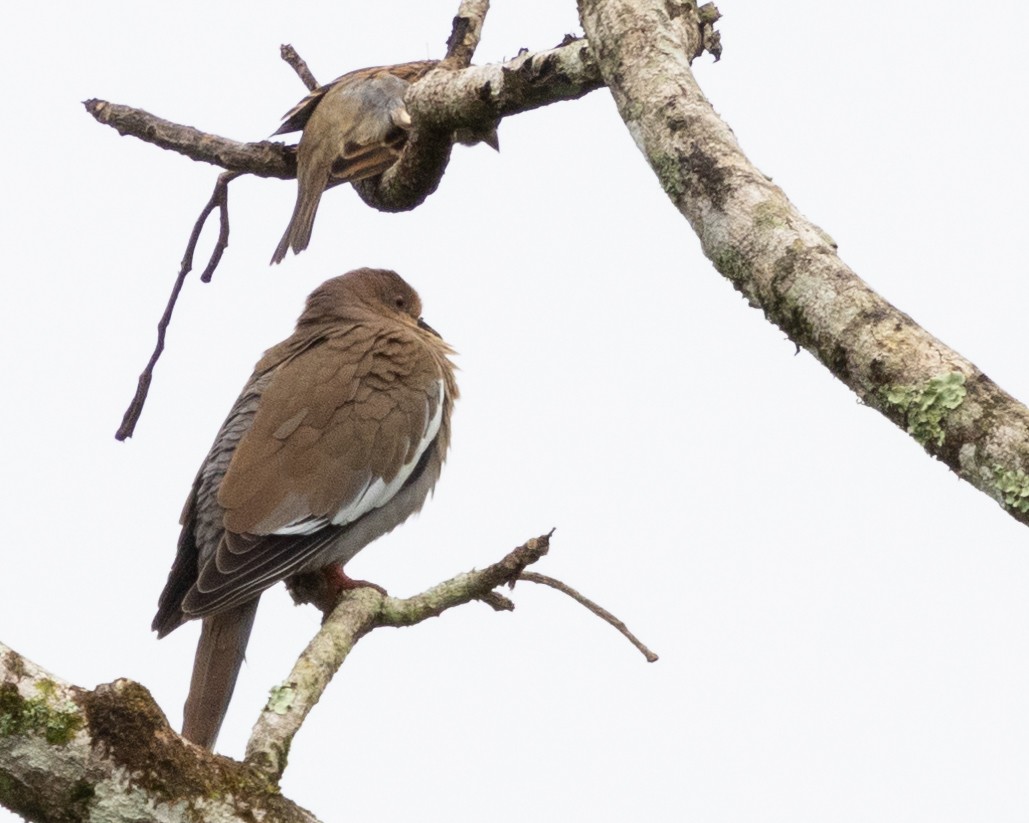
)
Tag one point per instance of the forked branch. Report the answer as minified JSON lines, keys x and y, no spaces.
{"x":365,"y":609}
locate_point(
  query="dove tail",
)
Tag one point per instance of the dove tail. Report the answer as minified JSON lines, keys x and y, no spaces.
{"x":223,"y":642}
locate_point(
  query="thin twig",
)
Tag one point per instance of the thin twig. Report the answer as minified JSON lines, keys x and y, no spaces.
{"x":221,"y":194}
{"x":219,"y":199}
{"x":289,"y":54}
{"x":599,"y":611}
{"x":497,"y":602}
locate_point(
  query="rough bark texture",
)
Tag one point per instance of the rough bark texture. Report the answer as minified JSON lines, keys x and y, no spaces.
{"x":68,"y":754}
{"x":788,"y":267}
{"x":476,"y":99}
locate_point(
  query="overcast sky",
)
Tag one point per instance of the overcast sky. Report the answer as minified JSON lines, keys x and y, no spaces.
{"x":843,"y":625}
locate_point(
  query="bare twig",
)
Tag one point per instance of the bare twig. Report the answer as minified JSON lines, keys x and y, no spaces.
{"x":599,"y":611}
{"x":264,"y":158}
{"x":497,"y":602}
{"x":289,"y":54}
{"x":218,"y":199}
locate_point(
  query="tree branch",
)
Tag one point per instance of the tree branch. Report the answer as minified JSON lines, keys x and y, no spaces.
{"x":264,"y":158}
{"x":109,"y":754}
{"x":474,"y":99}
{"x":596,"y":608}
{"x":359,"y":612}
{"x":67,"y":753}
{"x":788,"y":267}
{"x":468,"y":99}
{"x":464,"y":38}
{"x":299,"y":65}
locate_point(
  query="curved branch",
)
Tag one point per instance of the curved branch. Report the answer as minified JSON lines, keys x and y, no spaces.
{"x":475,"y":100}
{"x":788,"y":267}
{"x":596,"y":608}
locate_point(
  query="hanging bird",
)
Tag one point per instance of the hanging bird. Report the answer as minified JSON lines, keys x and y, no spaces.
{"x":337,"y":438}
{"x":353,"y":128}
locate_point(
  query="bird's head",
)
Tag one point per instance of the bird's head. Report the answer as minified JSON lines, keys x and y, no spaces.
{"x":381,"y":292}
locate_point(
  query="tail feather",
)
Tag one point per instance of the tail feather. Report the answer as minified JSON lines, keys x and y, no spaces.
{"x":298,"y":232}
{"x":220,"y":651}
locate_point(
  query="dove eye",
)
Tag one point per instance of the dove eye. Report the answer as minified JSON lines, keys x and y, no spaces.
{"x":399,"y":302}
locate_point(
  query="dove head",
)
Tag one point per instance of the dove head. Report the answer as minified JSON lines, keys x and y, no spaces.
{"x":377,"y":291}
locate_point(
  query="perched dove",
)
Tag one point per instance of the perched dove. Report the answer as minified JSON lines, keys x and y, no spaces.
{"x":337,"y":438}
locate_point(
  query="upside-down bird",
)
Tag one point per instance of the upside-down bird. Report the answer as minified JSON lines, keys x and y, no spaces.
{"x":353,"y":128}
{"x":338,"y":436}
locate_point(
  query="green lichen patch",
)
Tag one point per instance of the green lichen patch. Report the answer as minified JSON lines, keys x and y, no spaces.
{"x":280,"y":699}
{"x":46,"y":715}
{"x":925,"y":406}
{"x":769,"y":215}
{"x":127,"y":726}
{"x":1013,"y":485}
{"x":732,"y":264}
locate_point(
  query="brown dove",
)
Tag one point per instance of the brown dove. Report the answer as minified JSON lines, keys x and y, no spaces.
{"x":353,"y":128}
{"x":337,"y":438}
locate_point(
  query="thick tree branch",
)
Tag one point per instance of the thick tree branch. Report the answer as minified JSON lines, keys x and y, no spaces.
{"x":788,"y":267}
{"x":71,"y":754}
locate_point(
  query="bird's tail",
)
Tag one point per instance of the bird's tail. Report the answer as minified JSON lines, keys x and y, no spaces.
{"x":223,"y":642}
{"x":298,"y":232}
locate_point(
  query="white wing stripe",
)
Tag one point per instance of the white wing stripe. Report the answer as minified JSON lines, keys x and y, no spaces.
{"x":376,"y":492}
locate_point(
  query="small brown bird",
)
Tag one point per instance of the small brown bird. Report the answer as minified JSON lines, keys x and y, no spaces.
{"x":337,"y":438}
{"x":353,"y":128}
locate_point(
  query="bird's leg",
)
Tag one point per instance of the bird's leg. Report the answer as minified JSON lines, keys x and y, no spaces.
{"x":339,"y":581}
{"x":323,"y":588}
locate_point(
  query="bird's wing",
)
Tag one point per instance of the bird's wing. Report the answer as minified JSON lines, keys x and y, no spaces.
{"x":339,"y":430}
{"x":296,"y":118}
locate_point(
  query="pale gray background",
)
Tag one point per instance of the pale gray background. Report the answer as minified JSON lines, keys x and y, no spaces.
{"x":843,"y":625}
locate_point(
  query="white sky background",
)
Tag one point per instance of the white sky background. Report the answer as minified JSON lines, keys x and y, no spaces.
{"x":843,"y":625}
